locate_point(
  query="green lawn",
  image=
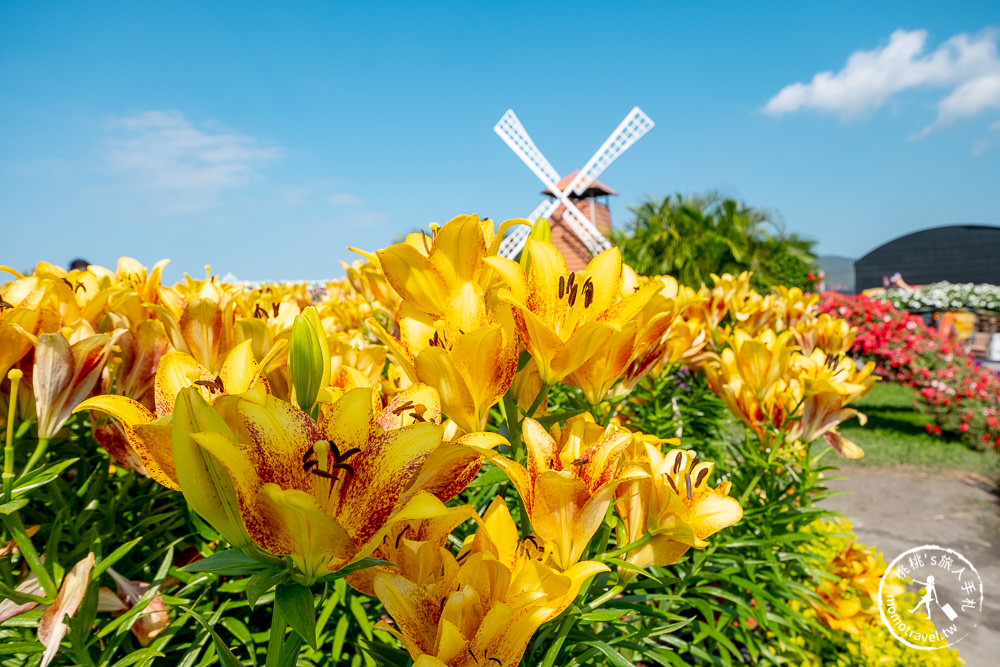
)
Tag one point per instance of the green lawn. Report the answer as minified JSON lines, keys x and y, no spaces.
{"x":896,"y":435}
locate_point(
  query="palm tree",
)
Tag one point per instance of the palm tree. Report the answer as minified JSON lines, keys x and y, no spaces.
{"x":692,"y":237}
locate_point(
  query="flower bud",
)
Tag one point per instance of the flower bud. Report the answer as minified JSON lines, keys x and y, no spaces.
{"x":308,"y":359}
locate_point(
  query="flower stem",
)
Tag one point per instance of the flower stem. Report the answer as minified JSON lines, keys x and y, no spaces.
{"x":15,"y":376}
{"x":36,"y":456}
{"x":542,"y":393}
{"x":276,"y":638}
{"x":609,"y":594}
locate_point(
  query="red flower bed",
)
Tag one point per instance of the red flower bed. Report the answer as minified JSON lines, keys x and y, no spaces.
{"x":961,"y":396}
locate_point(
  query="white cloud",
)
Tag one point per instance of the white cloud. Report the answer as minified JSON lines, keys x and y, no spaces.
{"x":967,"y":100}
{"x":966,"y":64}
{"x":344,"y":199}
{"x":163,"y":151}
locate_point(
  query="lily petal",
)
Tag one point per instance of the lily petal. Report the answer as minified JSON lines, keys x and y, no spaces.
{"x":150,"y":438}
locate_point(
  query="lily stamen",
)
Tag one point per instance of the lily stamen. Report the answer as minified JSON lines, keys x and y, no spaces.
{"x":401,"y":533}
{"x":678,"y":457}
{"x":213,"y":385}
{"x":673,"y":485}
{"x":403,"y":408}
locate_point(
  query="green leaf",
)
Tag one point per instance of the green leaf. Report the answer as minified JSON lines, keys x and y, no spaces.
{"x":19,"y":597}
{"x":614,"y":656}
{"x":602,"y":615}
{"x":142,"y":655}
{"x":362,"y":564}
{"x":113,"y":558}
{"x":361,"y":615}
{"x":296,"y":605}
{"x":229,"y":562}
{"x":13,"y":506}
{"x":261,"y":583}
{"x":226,"y":656}
{"x":40,"y":476}
{"x":20,"y":648}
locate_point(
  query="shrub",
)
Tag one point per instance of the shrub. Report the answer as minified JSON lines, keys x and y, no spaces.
{"x":961,"y":396}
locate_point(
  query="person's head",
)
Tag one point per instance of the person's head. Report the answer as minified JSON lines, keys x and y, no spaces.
{"x":79,"y":264}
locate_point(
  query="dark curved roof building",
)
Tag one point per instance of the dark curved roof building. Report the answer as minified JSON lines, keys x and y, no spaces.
{"x":955,"y":253}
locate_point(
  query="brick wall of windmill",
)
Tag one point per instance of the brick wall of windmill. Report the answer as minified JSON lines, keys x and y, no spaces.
{"x":563,"y":237}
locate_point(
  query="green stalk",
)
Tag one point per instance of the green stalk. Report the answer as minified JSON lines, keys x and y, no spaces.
{"x":631,"y":546}
{"x":12,"y":522}
{"x":276,"y":638}
{"x":15,"y":376}
{"x":36,"y":456}
{"x":508,"y":406}
{"x":609,"y":594}
{"x":542,"y":393}
{"x":776,"y":446}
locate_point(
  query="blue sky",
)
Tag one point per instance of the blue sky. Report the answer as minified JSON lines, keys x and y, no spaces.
{"x":265,"y":138}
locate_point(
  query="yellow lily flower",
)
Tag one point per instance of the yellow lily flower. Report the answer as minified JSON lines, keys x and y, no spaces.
{"x":149,"y":433}
{"x":667,"y":334}
{"x":568,"y":485}
{"x":829,"y":383}
{"x":673,"y":503}
{"x":849,"y":601}
{"x":825,"y":332}
{"x":454,"y":335}
{"x":726,"y":293}
{"x":414,"y":549}
{"x":324,"y":493}
{"x":752,"y":375}
{"x":482,"y":607}
{"x":576,"y":324}
{"x":793,"y":306}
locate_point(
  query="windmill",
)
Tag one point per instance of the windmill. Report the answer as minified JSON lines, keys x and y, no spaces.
{"x":567,"y":193}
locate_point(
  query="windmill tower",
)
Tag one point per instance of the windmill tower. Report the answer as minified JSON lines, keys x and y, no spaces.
{"x":577,"y":204}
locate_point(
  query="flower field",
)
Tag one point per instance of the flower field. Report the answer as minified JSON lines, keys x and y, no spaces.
{"x":445,"y":458}
{"x":960,"y":396}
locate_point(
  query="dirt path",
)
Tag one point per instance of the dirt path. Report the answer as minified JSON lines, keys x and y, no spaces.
{"x":896,"y":509}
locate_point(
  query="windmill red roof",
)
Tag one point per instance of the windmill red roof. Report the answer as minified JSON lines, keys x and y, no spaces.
{"x":596,"y":188}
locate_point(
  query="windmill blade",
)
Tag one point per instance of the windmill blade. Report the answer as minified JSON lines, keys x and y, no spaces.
{"x":509,"y":128}
{"x":629,"y":131}
{"x":514,"y":242}
{"x":595,"y":241}
{"x":514,"y":135}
